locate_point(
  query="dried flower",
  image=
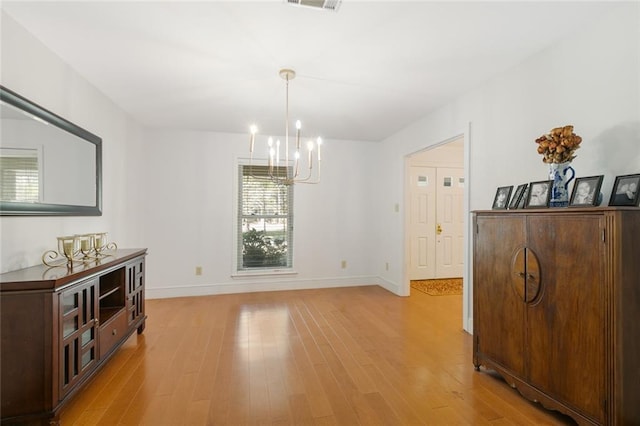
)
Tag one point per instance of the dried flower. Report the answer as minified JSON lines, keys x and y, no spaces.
{"x":559,"y":145}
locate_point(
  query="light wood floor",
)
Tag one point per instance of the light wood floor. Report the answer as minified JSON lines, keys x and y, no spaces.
{"x":349,"y":356}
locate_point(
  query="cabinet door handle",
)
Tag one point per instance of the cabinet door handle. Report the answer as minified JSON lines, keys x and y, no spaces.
{"x":114,"y":332}
{"x":533,"y":286}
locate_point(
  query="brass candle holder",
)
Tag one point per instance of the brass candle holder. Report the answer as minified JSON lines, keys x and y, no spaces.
{"x":100,"y":244}
{"x":64,"y":256}
{"x":83,"y":249}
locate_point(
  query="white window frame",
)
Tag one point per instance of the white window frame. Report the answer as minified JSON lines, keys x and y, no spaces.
{"x":238,"y":270}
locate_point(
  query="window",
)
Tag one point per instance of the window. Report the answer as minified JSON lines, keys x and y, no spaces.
{"x":265,"y":220}
{"x":19,"y":177}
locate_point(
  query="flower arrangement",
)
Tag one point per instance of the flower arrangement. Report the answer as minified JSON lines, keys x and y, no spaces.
{"x":559,"y":145}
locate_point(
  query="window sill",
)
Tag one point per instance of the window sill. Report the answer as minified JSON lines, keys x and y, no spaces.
{"x":263,"y":273}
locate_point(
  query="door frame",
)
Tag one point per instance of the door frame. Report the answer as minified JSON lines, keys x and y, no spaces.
{"x":467,"y":270}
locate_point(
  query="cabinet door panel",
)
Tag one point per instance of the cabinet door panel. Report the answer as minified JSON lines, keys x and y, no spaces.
{"x":566,"y":322}
{"x":78,"y":320}
{"x":499,"y":320}
{"x":135,"y":290}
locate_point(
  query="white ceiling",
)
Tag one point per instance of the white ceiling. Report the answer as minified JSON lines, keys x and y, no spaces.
{"x":364,"y":72}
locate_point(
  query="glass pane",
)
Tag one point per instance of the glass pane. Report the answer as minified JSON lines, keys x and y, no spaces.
{"x":264,"y":242}
{"x":69,"y":302}
{"x":75,"y":358}
{"x":66,"y":367}
{"x":87,"y":337}
{"x":447,"y":181}
{"x":260,"y":197}
{"x":87,"y":357}
{"x":70,"y":325}
{"x":423,"y":181}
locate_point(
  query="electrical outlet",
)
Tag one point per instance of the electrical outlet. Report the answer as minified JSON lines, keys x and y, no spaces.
{"x":343,"y":264}
{"x":198,"y":270}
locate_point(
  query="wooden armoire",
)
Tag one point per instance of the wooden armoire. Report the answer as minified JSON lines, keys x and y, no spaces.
{"x":556,"y":307}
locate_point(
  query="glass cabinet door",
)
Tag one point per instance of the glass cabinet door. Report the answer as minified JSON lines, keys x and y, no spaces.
{"x":79,"y":324}
{"x":135,"y":290}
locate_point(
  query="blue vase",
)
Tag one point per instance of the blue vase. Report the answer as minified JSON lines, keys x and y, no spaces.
{"x":561,"y":174}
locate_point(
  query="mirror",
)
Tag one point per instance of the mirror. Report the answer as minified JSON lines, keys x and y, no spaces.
{"x":48,"y":165}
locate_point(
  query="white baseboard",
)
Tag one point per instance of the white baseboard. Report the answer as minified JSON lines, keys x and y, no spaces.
{"x":390,"y":286}
{"x":262,"y":285}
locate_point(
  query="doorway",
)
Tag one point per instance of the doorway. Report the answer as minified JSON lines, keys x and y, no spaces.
{"x":450,"y":155}
{"x":435,"y":212}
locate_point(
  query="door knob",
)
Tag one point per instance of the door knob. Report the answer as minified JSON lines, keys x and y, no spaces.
{"x":438,"y":229}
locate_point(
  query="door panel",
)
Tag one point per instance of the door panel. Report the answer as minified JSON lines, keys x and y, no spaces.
{"x":499,"y":311}
{"x":565,"y":316}
{"x":422,"y":222}
{"x":450,"y":218}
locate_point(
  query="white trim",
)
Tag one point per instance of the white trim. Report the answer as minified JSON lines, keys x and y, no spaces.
{"x":390,"y":286}
{"x":235,"y":270}
{"x":467,"y":277}
{"x":258,"y":273}
{"x":256,"y":286}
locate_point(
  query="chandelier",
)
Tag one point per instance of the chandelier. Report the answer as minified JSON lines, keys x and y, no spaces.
{"x":285,"y":164}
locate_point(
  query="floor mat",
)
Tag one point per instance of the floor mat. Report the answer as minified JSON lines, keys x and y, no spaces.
{"x":441,"y":287}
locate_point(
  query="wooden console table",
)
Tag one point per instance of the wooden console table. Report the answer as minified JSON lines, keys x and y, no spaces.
{"x":58,"y":328}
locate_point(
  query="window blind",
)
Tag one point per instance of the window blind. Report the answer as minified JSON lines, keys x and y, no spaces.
{"x":19,"y":178}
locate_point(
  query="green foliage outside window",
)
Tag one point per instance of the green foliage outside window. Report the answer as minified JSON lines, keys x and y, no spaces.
{"x":259,"y":249}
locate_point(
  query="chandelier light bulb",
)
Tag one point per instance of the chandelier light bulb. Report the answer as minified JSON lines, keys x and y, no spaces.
{"x":253,"y":129}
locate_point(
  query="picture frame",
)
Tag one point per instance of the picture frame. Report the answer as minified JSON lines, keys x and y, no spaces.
{"x":517,"y":196}
{"x":523,"y":200}
{"x":501,"y":200}
{"x":625,"y":190}
{"x":539,"y":194}
{"x":586,"y":191}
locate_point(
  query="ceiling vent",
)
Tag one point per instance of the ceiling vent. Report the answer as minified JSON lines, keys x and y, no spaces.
{"x":317,"y":4}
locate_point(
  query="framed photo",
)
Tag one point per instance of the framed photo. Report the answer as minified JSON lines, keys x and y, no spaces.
{"x":625,"y":191}
{"x":501,"y":200}
{"x":525,"y":197}
{"x":539,"y":194}
{"x":586,"y":191}
{"x":517,"y":196}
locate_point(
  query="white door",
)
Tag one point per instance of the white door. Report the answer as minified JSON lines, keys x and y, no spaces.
{"x":422,"y":222}
{"x":449,"y":222}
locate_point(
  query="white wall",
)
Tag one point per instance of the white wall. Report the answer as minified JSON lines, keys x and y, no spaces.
{"x":33,"y":71}
{"x":190,"y":181}
{"x":590,"y":80}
